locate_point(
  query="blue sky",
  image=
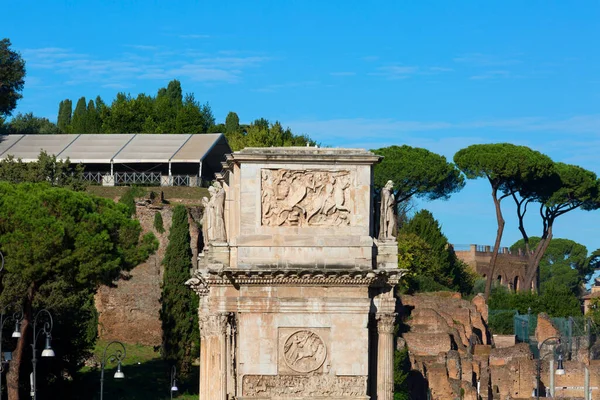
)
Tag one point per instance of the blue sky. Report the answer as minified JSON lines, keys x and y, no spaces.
{"x":435,"y":74}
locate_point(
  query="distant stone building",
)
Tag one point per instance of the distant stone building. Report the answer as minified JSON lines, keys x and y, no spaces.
{"x":510,"y":267}
{"x":593,"y":294}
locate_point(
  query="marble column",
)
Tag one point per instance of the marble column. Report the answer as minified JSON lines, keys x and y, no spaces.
{"x":213,"y":356}
{"x":385,"y":355}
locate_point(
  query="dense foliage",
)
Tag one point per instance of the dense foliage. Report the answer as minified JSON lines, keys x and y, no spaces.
{"x":169,"y":112}
{"x":60,"y":245}
{"x":556,"y":301}
{"x":509,"y":169}
{"x":432,"y":264}
{"x":401,"y":374}
{"x":29,"y":124}
{"x":128,"y":198}
{"x":12,"y":78}
{"x":158,"y":222}
{"x":46,"y":169}
{"x":179,"y":312}
{"x":417,"y":172}
{"x":564,"y":262}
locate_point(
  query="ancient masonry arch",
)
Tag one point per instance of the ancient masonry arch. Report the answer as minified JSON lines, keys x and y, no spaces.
{"x":297,"y":295}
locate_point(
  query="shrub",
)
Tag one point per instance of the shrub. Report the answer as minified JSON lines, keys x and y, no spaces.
{"x":158,"y":223}
{"x":501,"y":322}
{"x":129,"y":196}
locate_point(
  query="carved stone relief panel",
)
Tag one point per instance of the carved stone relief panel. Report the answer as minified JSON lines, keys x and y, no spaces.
{"x":298,"y":386}
{"x":305,"y":197}
{"x":303,"y":351}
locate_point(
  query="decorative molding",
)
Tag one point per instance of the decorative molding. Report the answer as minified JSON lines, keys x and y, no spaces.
{"x":198,"y":284}
{"x":305,"y":197}
{"x":386,"y":322}
{"x":274,"y":386}
{"x":202,"y":280}
{"x":213,"y":325}
{"x":304,"y":351}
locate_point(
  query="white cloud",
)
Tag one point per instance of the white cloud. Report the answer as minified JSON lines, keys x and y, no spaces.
{"x":121,"y":70}
{"x":395,"y":71}
{"x":485,"y":60}
{"x":549,"y":135}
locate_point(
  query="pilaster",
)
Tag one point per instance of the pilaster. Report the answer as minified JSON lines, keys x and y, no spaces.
{"x":213,"y":356}
{"x":385,"y":355}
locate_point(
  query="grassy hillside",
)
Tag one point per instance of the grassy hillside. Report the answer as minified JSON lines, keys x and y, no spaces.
{"x":182,"y":194}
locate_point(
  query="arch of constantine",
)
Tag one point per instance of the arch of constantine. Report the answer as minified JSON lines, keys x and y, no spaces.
{"x":296,"y":286}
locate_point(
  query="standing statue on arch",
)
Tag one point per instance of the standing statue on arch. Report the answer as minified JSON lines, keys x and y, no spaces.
{"x":215,"y":215}
{"x":388,"y":223}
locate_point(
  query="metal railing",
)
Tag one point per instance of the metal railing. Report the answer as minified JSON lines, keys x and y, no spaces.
{"x":141,"y":179}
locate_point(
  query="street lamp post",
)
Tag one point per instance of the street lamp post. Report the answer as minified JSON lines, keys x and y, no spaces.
{"x":117,"y":356}
{"x":17,"y":317}
{"x":46,"y":329}
{"x":174,"y":387}
{"x":559,"y":370}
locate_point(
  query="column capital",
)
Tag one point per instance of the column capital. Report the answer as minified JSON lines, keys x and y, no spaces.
{"x":386,"y":322}
{"x":213,"y":324}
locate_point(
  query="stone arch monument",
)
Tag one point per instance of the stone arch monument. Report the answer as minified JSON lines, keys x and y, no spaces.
{"x":296,"y":292}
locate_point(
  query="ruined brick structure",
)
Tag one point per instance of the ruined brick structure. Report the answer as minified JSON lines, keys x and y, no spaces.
{"x":453,"y":356}
{"x":129,"y":310}
{"x":510,"y":267}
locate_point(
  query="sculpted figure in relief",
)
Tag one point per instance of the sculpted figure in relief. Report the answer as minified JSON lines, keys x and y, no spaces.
{"x":213,"y":220}
{"x":388,"y":225}
{"x":304,"y":351}
{"x":303,"y":386}
{"x":305,"y":197}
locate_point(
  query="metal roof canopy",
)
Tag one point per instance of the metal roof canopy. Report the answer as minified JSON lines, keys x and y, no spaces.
{"x":29,"y":147}
{"x":7,"y":141}
{"x":115,"y":148}
{"x":196,"y":148}
{"x":151,"y":148}
{"x":96,"y":148}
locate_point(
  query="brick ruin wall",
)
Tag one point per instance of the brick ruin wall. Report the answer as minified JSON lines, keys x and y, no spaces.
{"x":129,"y":310}
{"x":452,"y":353}
{"x":510,"y":267}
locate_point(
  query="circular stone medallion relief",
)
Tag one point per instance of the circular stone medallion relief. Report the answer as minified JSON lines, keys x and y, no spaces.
{"x":304,"y":351}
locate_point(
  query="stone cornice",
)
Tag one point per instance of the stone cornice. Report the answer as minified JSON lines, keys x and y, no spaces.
{"x":312,"y":155}
{"x":203,"y":279}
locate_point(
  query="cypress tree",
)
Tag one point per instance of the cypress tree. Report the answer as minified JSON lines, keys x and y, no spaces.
{"x":179,"y":311}
{"x":232,"y":123}
{"x":158,"y":223}
{"x":79,"y":117}
{"x":65,"y":109}
{"x":93,"y":123}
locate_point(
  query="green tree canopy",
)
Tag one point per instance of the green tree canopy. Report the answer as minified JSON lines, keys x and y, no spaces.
{"x":556,"y":301}
{"x":46,"y":169}
{"x":79,"y":120}
{"x":424,"y":250}
{"x":65,"y":111}
{"x":12,"y":78}
{"x":565,"y":262}
{"x":232,"y":123}
{"x":179,"y":312}
{"x":569,"y":187}
{"x":417,"y":172}
{"x":508,"y":168}
{"x":29,"y":124}
{"x":59,"y":246}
